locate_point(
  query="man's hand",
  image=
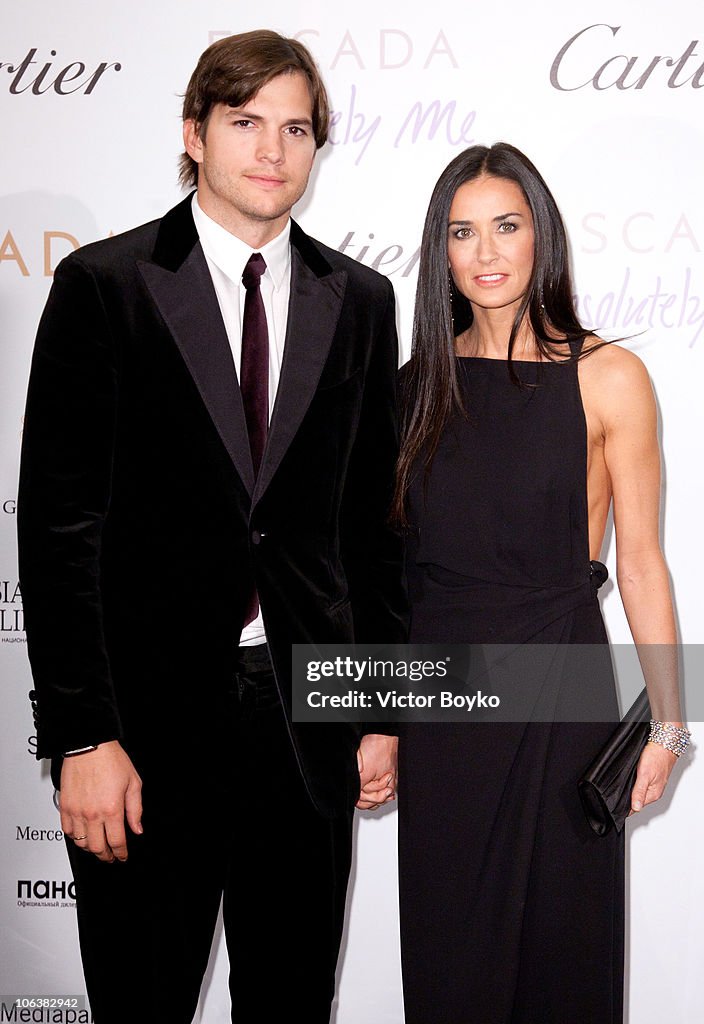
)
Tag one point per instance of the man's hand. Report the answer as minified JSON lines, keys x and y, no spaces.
{"x":99,"y":790}
{"x":377,"y":760}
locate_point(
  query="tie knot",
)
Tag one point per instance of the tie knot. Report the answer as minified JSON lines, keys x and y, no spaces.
{"x":253,"y":270}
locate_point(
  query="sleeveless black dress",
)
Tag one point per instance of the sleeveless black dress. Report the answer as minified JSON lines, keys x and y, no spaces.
{"x":511,"y":907}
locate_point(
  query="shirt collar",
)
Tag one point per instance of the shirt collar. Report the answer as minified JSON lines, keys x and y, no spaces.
{"x":230,"y":253}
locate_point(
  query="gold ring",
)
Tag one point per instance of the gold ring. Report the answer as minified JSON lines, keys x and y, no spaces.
{"x":77,"y":839}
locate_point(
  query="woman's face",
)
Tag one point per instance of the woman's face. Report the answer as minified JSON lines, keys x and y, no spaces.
{"x":490,"y":242}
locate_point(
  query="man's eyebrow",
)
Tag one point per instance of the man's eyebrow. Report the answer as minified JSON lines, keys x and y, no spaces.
{"x":243,"y":113}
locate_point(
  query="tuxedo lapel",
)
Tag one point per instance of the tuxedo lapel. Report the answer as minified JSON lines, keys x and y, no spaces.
{"x":314,"y":309}
{"x":181,"y":286}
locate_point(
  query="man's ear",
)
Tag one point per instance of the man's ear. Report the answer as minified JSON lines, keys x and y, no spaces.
{"x":192,"y":140}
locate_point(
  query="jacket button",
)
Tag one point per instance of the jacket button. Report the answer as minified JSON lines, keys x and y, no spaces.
{"x":258,"y":536}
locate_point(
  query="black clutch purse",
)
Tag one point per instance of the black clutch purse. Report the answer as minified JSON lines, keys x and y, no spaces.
{"x":605,"y":787}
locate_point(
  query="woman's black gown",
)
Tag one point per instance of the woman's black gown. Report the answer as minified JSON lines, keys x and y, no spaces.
{"x":511,"y":907}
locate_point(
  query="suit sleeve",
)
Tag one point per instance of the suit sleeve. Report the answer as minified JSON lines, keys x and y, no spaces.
{"x":64,"y":496}
{"x":372,"y":550}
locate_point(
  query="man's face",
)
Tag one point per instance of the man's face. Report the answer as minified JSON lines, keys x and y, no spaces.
{"x":255,"y":159}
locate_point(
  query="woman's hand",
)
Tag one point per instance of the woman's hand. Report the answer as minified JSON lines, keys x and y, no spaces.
{"x":654,"y":767}
{"x":377,"y":760}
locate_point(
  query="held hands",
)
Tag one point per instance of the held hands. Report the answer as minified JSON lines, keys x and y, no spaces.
{"x":99,"y":790}
{"x":377,"y":759}
{"x":654,"y":769}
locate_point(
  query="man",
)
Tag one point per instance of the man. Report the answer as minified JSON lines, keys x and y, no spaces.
{"x":207,"y":464}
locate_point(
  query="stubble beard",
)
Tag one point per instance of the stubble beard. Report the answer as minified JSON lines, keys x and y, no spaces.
{"x":242,"y":205}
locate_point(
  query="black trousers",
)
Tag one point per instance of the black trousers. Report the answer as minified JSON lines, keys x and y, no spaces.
{"x":248,"y":833}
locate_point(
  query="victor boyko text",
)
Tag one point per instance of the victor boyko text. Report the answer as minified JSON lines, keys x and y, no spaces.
{"x":359,"y":683}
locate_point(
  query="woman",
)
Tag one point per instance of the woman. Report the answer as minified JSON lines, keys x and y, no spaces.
{"x":520,"y":430}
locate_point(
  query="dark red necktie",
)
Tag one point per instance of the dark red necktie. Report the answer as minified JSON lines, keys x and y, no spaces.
{"x":254,"y":366}
{"x":254,"y":375}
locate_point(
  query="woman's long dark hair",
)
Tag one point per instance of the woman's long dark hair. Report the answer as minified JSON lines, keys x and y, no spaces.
{"x":429,"y":389}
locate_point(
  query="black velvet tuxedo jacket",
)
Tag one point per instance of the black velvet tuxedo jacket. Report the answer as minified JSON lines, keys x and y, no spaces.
{"x":141,"y":525}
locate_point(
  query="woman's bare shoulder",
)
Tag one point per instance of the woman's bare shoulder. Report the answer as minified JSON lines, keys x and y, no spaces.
{"x":615,"y":380}
{"x":612,"y":364}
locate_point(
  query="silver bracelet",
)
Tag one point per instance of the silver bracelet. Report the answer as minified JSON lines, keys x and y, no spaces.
{"x":80,"y":750}
{"x":672,"y":737}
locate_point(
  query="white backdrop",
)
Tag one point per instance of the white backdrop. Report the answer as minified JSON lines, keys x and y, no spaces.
{"x":613,"y":119}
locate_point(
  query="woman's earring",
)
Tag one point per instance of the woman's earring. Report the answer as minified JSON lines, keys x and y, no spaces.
{"x":452,"y":293}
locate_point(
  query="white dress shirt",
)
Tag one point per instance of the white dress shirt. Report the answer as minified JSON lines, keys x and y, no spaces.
{"x":227,"y":256}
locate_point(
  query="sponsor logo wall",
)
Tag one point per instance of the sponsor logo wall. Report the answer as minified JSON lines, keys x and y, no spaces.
{"x":608,"y":103}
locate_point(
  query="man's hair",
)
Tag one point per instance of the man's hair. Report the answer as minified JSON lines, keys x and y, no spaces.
{"x":234,"y":69}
